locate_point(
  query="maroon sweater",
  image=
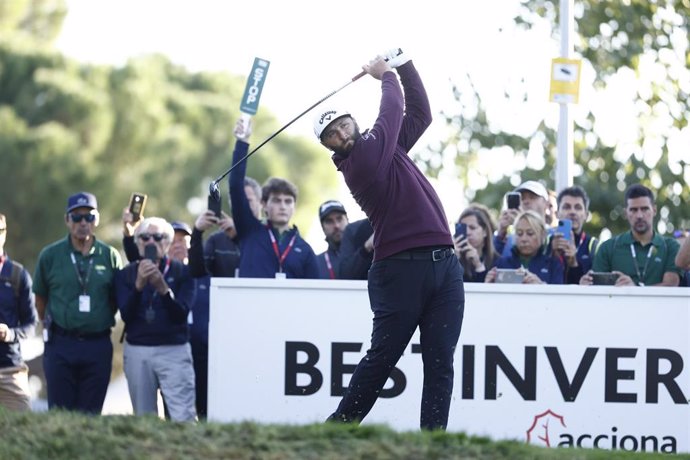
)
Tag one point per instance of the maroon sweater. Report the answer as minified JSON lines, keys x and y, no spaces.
{"x":399,"y":201}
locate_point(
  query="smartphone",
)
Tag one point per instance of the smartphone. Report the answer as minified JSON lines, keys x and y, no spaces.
{"x":509,"y":275}
{"x":460,"y":229}
{"x":604,"y":278}
{"x":565,"y":226}
{"x":214,"y":205}
{"x":151,"y":252}
{"x":137,"y":203}
{"x":513,"y":200}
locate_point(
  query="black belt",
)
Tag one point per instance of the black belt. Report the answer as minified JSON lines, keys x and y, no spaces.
{"x":420,"y":254}
{"x":79,"y":335}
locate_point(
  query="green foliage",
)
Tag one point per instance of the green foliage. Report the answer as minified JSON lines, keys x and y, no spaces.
{"x":150,"y":126}
{"x":63,"y":435}
{"x":35,"y":20}
{"x":646,"y":37}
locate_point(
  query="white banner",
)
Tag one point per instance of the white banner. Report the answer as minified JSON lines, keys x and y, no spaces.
{"x":595,"y":366}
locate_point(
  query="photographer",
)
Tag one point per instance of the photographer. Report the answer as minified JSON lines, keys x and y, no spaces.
{"x":475,"y":249}
{"x":154,"y":295}
{"x":530,"y":255}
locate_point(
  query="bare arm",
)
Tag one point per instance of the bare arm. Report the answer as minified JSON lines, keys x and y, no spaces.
{"x":669,"y":279}
{"x":41,"y":303}
{"x":683,"y":256}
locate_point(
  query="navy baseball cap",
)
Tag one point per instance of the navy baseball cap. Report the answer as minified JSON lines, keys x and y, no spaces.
{"x":180,"y":226}
{"x":330,"y":206}
{"x":81,"y":200}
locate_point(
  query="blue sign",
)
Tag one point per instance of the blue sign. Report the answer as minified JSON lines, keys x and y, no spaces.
{"x":255,"y":83}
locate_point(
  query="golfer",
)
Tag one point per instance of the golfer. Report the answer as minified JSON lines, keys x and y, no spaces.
{"x":415,"y":279}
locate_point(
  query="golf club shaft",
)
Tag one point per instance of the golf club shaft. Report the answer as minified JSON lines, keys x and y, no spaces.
{"x":220,"y":178}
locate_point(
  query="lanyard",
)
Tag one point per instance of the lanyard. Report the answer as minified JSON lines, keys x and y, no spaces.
{"x":582,"y":240}
{"x":150,"y":315}
{"x":281,"y":257}
{"x":640,"y":276}
{"x":331,"y":273}
{"x":82,"y":281}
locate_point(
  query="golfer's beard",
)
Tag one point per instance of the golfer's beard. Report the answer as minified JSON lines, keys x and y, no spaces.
{"x":345,"y":151}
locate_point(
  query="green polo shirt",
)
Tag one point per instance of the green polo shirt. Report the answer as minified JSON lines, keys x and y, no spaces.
{"x":615,"y":254}
{"x":56,"y":280}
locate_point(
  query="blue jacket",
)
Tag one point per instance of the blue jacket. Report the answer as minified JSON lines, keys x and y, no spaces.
{"x":257,"y":256}
{"x":149,"y":318}
{"x":198,"y":328}
{"x":18,"y":312}
{"x":334,"y":259}
{"x":548,"y":268}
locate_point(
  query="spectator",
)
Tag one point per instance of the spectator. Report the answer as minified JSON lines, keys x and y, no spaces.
{"x":221,"y":252}
{"x":17,"y":321}
{"x":683,"y":256}
{"x":333,"y":219}
{"x":74,"y":291}
{"x":578,"y":251}
{"x":551,"y":211}
{"x":414,"y":280}
{"x":476,"y":251}
{"x":275,"y":248}
{"x":154,"y":295}
{"x":356,"y":250}
{"x":640,"y":256}
{"x":531,"y":253}
{"x":179,"y":248}
{"x":533,"y":197}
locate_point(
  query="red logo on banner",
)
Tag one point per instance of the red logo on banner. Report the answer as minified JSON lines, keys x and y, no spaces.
{"x":539,"y":431}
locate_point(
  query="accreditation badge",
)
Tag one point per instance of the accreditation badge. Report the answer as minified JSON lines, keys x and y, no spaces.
{"x":84,"y":303}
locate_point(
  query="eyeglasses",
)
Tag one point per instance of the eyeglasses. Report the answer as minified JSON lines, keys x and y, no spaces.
{"x":157,"y":237}
{"x":76,"y":218}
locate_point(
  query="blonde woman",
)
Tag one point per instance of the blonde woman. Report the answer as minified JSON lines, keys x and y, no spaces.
{"x":531,"y":254}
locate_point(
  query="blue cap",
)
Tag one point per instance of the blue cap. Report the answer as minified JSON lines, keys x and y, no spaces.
{"x":81,"y":200}
{"x":180,"y":226}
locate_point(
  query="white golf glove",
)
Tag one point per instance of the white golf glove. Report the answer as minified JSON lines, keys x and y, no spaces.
{"x":243,"y":128}
{"x":396,"y":57}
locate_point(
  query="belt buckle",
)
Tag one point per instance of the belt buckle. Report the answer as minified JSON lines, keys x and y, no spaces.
{"x":438,"y":254}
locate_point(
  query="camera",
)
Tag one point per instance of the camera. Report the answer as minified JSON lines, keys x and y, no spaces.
{"x":513,"y":200}
{"x":137,"y":203}
{"x":151,"y":252}
{"x":214,"y":205}
{"x":460,"y":230}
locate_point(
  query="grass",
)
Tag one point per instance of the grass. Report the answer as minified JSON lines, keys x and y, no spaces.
{"x":63,"y":435}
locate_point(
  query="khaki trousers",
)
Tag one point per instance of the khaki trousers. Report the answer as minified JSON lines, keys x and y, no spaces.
{"x":14,"y":388}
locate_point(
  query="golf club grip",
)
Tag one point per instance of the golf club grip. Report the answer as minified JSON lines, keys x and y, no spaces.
{"x":359,"y":75}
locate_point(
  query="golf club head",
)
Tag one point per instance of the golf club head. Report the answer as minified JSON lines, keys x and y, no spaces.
{"x":214,"y":191}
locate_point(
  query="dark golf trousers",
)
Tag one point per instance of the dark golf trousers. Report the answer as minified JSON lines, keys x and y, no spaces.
{"x":77,"y":372}
{"x":405,"y":294}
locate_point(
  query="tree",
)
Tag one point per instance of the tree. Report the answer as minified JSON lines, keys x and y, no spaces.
{"x":150,"y":126}
{"x":641,"y":41}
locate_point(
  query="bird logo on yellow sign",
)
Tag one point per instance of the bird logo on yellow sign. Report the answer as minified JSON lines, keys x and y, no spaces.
{"x":565,"y":80}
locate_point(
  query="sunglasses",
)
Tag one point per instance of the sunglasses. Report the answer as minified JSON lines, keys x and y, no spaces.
{"x":157,"y":237}
{"x":76,"y":218}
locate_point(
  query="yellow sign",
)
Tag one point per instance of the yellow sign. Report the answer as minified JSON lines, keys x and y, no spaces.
{"x":565,"y":80}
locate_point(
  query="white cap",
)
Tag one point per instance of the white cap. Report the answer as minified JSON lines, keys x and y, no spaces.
{"x":325,"y":117}
{"x":535,"y":187}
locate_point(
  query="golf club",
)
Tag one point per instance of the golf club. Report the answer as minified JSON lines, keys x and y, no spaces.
{"x":213,"y":186}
